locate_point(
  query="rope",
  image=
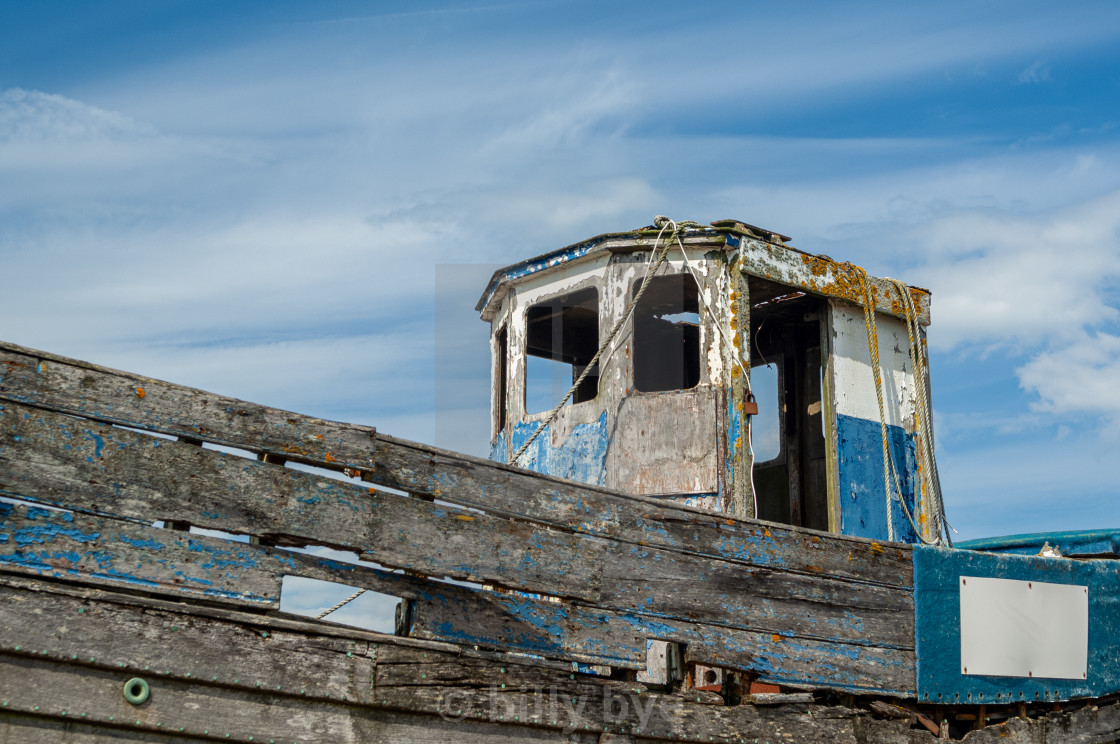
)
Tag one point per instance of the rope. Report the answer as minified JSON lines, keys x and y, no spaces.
{"x":664,"y":223}
{"x":338,"y":606}
{"x":889,"y":474}
{"x":919,"y":360}
{"x":922,"y":413}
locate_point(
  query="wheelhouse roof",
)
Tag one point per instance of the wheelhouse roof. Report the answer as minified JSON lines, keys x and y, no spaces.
{"x":765,"y":253}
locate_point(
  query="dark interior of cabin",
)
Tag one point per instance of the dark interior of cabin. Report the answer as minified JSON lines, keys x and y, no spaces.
{"x":565,"y":329}
{"x":667,"y":335}
{"x":792,"y":484}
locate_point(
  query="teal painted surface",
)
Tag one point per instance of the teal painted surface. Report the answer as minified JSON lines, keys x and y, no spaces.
{"x":937,"y":573}
{"x":581,"y":457}
{"x":1081,"y":542}
{"x":863,"y":502}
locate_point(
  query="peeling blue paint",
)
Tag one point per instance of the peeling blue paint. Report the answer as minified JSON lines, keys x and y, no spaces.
{"x":581,"y":457}
{"x":863,"y":508}
{"x":499,"y":450}
{"x":937,"y":573}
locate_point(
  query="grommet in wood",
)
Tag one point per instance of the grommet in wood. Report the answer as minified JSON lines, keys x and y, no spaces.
{"x":136,"y":691}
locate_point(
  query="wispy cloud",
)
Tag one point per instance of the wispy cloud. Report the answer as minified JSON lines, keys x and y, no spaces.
{"x":1038,"y":72}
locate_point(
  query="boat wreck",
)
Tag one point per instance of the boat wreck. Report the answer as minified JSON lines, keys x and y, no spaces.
{"x":723,"y":524}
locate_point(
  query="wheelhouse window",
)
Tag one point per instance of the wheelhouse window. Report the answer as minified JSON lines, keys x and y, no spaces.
{"x":501,"y":371}
{"x":562,"y":336}
{"x":667,"y":335}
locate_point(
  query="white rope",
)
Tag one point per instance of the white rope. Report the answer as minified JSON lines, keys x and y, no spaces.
{"x":655,"y":261}
{"x":338,"y":606}
{"x":665,"y":222}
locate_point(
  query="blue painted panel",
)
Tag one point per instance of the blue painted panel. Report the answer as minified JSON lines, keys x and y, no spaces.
{"x":863,"y":501}
{"x":499,"y":450}
{"x":581,"y":457}
{"x":937,"y":573}
{"x":1080,"y":542}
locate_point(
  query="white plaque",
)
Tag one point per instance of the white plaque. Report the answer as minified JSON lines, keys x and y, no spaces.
{"x":1024,"y":628}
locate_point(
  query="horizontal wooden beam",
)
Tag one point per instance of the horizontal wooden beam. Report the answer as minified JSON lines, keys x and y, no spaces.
{"x":102,"y":469}
{"x":246,"y":674}
{"x":81,"y":389}
{"x":642,"y":521}
{"x":40,"y":378}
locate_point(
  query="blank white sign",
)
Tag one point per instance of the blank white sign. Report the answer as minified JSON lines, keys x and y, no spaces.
{"x":1024,"y":628}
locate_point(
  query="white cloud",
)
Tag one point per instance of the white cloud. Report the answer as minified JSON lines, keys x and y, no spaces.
{"x":1038,"y":72}
{"x":1022,"y":282}
{"x":32,"y":116}
{"x":1079,"y":378}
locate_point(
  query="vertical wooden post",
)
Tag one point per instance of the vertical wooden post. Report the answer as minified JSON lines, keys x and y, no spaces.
{"x":742,"y":497}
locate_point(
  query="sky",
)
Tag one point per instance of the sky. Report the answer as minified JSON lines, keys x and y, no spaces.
{"x":298,"y":204}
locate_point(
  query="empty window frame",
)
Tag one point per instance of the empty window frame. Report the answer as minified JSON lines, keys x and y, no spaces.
{"x":562,"y":336}
{"x":785,"y":328}
{"x":501,"y":374}
{"x":667,"y":335}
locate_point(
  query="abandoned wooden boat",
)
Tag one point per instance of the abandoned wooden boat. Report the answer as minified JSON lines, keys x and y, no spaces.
{"x":725,"y":525}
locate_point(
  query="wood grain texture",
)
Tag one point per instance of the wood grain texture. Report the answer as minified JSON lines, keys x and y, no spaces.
{"x":68,"y":545}
{"x":347,"y":685}
{"x":66,"y":461}
{"x":676,"y":585}
{"x":565,"y":505}
{"x":83,"y":389}
{"x":600,"y":636}
{"x":102,"y":551}
{"x":43,"y":379}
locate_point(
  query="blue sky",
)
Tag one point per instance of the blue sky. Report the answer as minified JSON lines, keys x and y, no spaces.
{"x":278,"y":200}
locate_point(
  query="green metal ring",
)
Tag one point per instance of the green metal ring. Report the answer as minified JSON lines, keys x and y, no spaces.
{"x":136,"y":691}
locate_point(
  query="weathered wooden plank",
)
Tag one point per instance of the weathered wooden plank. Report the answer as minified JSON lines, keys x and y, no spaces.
{"x":43,"y":379}
{"x":36,"y":729}
{"x":62,"y":460}
{"x":496,"y":621}
{"x":674,"y":585}
{"x":411,"y":698}
{"x":180,"y":652}
{"x":68,"y":461}
{"x":94,"y":697}
{"x":219,"y":506}
{"x":102,"y":551}
{"x":83,"y":389}
{"x":595,"y":635}
{"x":248,"y":653}
{"x":504,"y":490}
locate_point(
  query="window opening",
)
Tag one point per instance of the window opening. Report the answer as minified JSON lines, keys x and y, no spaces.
{"x":501,"y":369}
{"x":790,"y":477}
{"x":667,"y":335}
{"x":562,"y":336}
{"x":766,"y":430}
